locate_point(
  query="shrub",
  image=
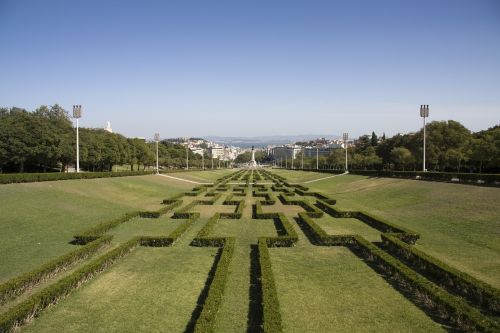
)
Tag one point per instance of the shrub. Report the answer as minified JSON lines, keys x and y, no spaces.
{"x":270,"y":303}
{"x":455,"y":281}
{"x":44,"y":177}
{"x":311,"y":210}
{"x":289,"y":237}
{"x":205,"y":231}
{"x":206,"y":320}
{"x":451,"y":308}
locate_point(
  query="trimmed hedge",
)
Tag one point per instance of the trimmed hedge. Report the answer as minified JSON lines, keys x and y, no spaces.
{"x":311,"y":210}
{"x":211,"y":201}
{"x":202,"y":236}
{"x":406,"y":235}
{"x":258,"y":214}
{"x":18,"y":285}
{"x":45,"y":177}
{"x":476,"y":292}
{"x":208,"y":315}
{"x":33,"y":305}
{"x":100,"y":229}
{"x":238,"y":212}
{"x":450,"y":308}
{"x":270,"y":304}
{"x":290,"y":236}
{"x":317,"y":195}
{"x":163,"y":241}
{"x":184,"y":213}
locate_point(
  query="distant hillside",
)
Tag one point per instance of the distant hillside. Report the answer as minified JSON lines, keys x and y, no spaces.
{"x":263,"y":141}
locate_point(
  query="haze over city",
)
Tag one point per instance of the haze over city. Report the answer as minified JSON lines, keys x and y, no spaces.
{"x":254,"y":68}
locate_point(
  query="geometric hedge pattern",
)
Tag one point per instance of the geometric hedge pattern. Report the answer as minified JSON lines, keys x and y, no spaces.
{"x":446,"y":294}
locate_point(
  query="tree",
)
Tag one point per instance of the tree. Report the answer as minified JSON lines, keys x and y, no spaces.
{"x":374,"y":140}
{"x":401,"y":156}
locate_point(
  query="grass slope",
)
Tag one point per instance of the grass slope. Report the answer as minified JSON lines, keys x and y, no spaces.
{"x":460,"y":224}
{"x":38,"y":220}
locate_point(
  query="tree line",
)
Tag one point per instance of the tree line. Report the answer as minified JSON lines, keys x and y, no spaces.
{"x":45,"y":140}
{"x":450,"y":146}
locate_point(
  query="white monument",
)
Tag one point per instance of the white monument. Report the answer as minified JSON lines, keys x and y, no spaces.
{"x":108,"y":128}
{"x":252,"y":163}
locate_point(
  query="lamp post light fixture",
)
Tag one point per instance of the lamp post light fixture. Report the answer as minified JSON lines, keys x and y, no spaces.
{"x":424,"y":113}
{"x":77,"y":114}
{"x":157,"y":139}
{"x":345,"y":136}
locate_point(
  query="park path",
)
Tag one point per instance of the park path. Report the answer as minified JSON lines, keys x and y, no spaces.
{"x":184,"y":180}
{"x":317,"y":180}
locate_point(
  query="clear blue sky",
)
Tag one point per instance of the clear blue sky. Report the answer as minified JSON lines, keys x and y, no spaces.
{"x":254,"y":67}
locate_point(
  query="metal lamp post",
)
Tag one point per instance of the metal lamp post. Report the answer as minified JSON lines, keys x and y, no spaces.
{"x":317,"y":158}
{"x":157,"y":139}
{"x":345,"y":137}
{"x":303,"y":158}
{"x":424,"y":113}
{"x":203,"y":159}
{"x":187,"y":155}
{"x":77,"y":114}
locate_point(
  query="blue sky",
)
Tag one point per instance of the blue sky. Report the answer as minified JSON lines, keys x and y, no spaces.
{"x":242,"y":68}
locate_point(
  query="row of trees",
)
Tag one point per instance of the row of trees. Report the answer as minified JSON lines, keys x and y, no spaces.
{"x":45,"y":140}
{"x":450,"y":147}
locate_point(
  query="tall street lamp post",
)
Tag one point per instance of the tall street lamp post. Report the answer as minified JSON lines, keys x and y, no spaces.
{"x":317,"y":158}
{"x":302,"y":158}
{"x":424,"y":113}
{"x":345,"y":137}
{"x":157,"y":139}
{"x":77,"y":114}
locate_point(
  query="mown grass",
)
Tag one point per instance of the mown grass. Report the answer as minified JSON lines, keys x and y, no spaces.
{"x":320,"y":289}
{"x":161,"y":226}
{"x":328,"y":289}
{"x":234,"y":312}
{"x":152,"y":290}
{"x":38,"y":220}
{"x":202,"y":175}
{"x":348,"y":226}
{"x":459,"y":224}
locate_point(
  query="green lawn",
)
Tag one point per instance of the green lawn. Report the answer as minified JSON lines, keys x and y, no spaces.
{"x":460,"y":224}
{"x":151,"y":290}
{"x":202,"y":176}
{"x":328,"y":289}
{"x":320,"y":289}
{"x":233,"y":315}
{"x":38,"y":220}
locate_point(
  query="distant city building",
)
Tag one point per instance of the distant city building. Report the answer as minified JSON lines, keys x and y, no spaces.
{"x":289,"y":151}
{"x":216,"y":151}
{"x":199,"y":151}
